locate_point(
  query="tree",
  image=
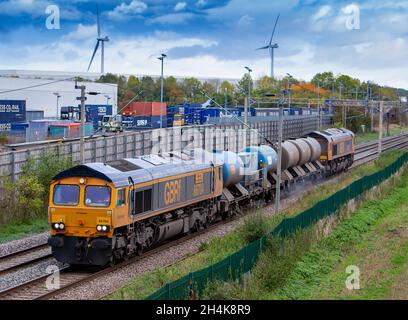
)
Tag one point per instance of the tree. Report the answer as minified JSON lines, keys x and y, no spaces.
{"x":191,"y":87}
{"x":324,"y":79}
{"x":243,"y":85}
{"x":151,"y":91}
{"x":172,"y":91}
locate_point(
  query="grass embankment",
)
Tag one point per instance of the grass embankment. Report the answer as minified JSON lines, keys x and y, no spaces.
{"x":374,"y":239}
{"x":371,"y":136}
{"x":219,"y":248}
{"x":19,"y":229}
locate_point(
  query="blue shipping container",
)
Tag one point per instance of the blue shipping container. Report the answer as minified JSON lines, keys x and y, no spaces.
{"x":144,"y":122}
{"x":12,"y":111}
{"x":95,"y":113}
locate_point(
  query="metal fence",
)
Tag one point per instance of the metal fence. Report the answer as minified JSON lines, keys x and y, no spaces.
{"x":232,"y":267}
{"x":231,"y":137}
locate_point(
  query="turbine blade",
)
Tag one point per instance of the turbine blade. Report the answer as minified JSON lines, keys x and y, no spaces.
{"x":93,"y":55}
{"x":98,"y":22}
{"x":262,"y":48}
{"x":273,"y":32}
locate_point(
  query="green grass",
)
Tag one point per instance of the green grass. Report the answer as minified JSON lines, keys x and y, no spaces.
{"x":365,"y":239}
{"x":16,"y":230}
{"x":144,"y":284}
{"x":371,"y":136}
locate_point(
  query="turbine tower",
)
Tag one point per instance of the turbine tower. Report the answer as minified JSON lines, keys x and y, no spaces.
{"x":272,"y":47}
{"x":101,"y":40}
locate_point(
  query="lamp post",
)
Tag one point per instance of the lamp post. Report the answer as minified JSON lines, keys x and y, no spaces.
{"x":161,"y":58}
{"x":249,"y":96}
{"x":318,"y":105}
{"x":58,"y":96}
{"x":279,"y":164}
{"x":289,"y":92}
{"x":107,"y":99}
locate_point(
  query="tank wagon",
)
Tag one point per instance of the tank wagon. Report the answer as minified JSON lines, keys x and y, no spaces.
{"x":102,"y":213}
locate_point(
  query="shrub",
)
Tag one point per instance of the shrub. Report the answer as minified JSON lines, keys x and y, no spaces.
{"x":28,"y":197}
{"x":3,"y":139}
{"x":47,"y":166}
{"x":280,"y":258}
{"x":23,"y":200}
{"x":219,"y":290}
{"x":254,"y":227}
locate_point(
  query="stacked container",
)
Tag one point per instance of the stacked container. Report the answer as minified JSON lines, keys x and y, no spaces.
{"x":145,"y":115}
{"x":11,"y":111}
{"x":95,"y":113}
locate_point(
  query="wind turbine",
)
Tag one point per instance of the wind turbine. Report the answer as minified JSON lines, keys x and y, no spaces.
{"x":101,"y":40}
{"x":271,"y":46}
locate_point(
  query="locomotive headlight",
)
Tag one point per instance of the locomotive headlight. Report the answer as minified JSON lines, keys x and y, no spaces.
{"x":102,"y":228}
{"x":58,"y":226}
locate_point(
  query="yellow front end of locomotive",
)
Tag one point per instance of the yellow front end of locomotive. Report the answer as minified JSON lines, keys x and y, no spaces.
{"x":81,"y":207}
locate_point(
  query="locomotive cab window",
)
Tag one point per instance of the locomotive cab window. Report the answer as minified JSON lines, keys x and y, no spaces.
{"x":97,"y":196}
{"x":335,"y":149}
{"x":143,"y":201}
{"x":121,"y":198}
{"x":66,"y":195}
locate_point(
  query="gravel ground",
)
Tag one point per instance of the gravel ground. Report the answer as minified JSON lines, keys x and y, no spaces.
{"x":97,"y":289}
{"x":24,"y":243}
{"x":25,"y":274}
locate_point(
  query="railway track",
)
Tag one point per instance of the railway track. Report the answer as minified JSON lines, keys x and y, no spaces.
{"x":36,"y":289}
{"x":22,"y":258}
{"x":369,"y":151}
{"x":69,"y":277}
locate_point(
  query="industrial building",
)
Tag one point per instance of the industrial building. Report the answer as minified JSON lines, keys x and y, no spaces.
{"x":47,"y":91}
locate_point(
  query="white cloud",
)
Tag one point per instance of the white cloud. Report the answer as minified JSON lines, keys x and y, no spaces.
{"x":180,"y":6}
{"x":36,"y":8}
{"x":201,"y":3}
{"x":82,"y":32}
{"x":322,"y":12}
{"x":124,"y":10}
{"x":245,"y":20}
{"x":172,"y":18}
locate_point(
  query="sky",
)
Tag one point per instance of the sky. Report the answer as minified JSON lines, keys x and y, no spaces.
{"x":210,"y":38}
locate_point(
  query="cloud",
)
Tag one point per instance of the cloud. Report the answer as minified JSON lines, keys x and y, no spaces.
{"x":322,"y":12}
{"x":124,"y":11}
{"x":17,"y":7}
{"x":201,"y":3}
{"x":245,"y":20}
{"x":180,"y":6}
{"x":172,"y":18}
{"x":82,"y":32}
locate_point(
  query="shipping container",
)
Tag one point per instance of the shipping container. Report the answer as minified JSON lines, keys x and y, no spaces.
{"x":144,"y":122}
{"x":69,"y":130}
{"x":12,"y":111}
{"x":136,"y":109}
{"x":95,"y":113}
